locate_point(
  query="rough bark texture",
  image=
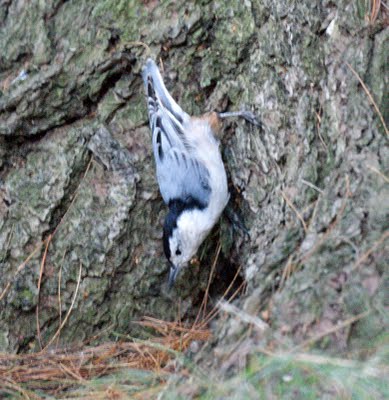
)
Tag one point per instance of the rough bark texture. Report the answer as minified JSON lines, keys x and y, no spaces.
{"x":76,"y":164}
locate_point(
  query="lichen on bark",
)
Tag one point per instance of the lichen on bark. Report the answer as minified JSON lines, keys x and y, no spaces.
{"x":76,"y":169}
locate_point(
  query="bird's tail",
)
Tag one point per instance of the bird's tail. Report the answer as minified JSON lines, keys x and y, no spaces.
{"x":157,"y":92}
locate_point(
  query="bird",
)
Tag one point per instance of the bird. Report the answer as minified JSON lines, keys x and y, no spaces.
{"x":190,"y":172}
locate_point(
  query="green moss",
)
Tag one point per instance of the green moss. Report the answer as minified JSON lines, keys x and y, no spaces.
{"x":231,"y":35}
{"x":312,"y":59}
{"x":3,"y":339}
{"x":123,"y":15}
{"x":25,"y":300}
{"x":363,"y":8}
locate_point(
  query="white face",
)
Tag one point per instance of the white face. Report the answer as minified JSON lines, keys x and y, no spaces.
{"x":183,"y":246}
{"x":185,"y":239}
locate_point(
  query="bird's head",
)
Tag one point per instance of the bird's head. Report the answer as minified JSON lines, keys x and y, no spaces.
{"x":182,"y":236}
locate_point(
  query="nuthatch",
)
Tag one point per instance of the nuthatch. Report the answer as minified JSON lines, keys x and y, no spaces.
{"x":190,"y":171}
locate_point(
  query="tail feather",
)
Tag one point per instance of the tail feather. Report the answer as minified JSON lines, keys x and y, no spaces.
{"x":155,"y":89}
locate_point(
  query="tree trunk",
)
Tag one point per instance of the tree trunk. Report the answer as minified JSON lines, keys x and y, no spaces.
{"x":80,"y":213}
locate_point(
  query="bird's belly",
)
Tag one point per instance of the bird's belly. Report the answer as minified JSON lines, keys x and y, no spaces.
{"x":208,"y":153}
{"x":219,"y":195}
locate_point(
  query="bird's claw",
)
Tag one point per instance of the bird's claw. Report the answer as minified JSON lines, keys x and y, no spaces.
{"x":247,"y":115}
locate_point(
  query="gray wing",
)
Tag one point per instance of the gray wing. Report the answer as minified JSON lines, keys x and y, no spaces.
{"x":180,"y":175}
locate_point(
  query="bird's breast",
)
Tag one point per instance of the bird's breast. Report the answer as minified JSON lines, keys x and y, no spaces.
{"x":207,"y":150}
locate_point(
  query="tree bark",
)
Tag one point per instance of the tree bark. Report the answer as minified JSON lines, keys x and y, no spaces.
{"x":77,"y":183}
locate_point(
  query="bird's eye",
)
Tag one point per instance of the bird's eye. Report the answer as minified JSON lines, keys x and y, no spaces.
{"x":178,"y":252}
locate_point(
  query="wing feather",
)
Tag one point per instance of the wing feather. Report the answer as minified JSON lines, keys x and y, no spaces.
{"x":180,"y":175}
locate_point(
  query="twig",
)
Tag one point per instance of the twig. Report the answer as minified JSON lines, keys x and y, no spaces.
{"x":369,"y":96}
{"x":68,"y":313}
{"x":70,"y":372}
{"x":312,"y":219}
{"x":138,"y":43}
{"x":9,"y":383}
{"x":365,"y":255}
{"x":21,"y":267}
{"x":243,"y":316}
{"x":332,"y":226}
{"x":290,"y":204}
{"x":74,"y":197}
{"x":311,"y":185}
{"x":286,"y":272}
{"x":38,"y":330}
{"x":336,"y":328}
{"x":5,"y":290}
{"x":318,"y":116}
{"x":231,"y":283}
{"x":216,"y":310}
{"x":377,"y":171}
{"x":101,"y":332}
{"x":374,"y":11}
{"x":8,"y":242}
{"x":203,"y":305}
{"x":379,"y":372}
{"x":24,"y":263}
{"x":161,"y":65}
{"x":156,"y":363}
{"x":178,"y":318}
{"x":205,"y":299}
{"x":59,"y":292}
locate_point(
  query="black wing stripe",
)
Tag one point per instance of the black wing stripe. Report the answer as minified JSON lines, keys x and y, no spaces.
{"x":159,"y":143}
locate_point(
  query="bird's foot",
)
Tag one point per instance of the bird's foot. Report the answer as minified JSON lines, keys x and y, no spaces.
{"x":247,"y":115}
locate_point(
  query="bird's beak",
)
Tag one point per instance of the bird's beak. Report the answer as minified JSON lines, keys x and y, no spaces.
{"x":172,"y":275}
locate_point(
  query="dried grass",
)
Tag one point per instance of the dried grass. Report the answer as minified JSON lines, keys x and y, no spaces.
{"x":56,"y":370}
{"x":362,"y":259}
{"x":44,"y":242}
{"x":299,"y":216}
{"x":370,"y":97}
{"x":375,"y":6}
{"x":38,"y":330}
{"x":332,"y":226}
{"x":203,"y":306}
{"x":339,"y":326}
{"x":60,"y":369}
{"x":378,"y":172}
{"x":20,"y":268}
{"x":318,"y":125}
{"x":58,"y":332}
